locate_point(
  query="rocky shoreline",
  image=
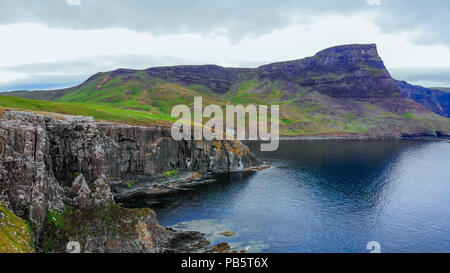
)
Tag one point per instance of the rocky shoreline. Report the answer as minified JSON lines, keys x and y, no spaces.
{"x":64,"y":175}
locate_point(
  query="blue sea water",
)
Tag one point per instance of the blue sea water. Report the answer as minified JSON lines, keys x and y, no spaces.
{"x":328,"y":196}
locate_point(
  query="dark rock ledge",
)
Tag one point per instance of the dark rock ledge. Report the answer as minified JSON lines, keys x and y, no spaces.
{"x":64,"y":175}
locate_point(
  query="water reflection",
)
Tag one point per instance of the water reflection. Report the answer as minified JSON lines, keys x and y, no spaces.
{"x":331,"y":196}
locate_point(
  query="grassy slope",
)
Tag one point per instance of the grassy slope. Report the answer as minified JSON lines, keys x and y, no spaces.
{"x":15,"y":234}
{"x":142,"y":99}
{"x":98,"y":111}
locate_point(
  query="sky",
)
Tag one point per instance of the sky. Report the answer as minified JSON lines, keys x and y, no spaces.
{"x":47,"y":44}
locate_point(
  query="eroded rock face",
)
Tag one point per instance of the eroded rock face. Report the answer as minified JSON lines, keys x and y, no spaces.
{"x":350,"y":71}
{"x":437,"y":101}
{"x":217,"y":78}
{"x":113,"y":229}
{"x":84,"y":197}
{"x":47,"y":162}
{"x":152,"y":151}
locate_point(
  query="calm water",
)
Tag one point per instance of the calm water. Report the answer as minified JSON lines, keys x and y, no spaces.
{"x":328,"y":196}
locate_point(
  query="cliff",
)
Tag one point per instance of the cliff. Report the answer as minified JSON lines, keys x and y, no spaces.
{"x":350,"y":71}
{"x":436,"y":100}
{"x":56,"y":170}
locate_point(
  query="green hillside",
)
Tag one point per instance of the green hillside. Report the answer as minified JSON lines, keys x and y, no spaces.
{"x":141,"y":99}
{"x":98,"y":111}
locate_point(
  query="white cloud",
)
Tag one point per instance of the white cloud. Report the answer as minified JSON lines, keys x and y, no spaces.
{"x":74,"y":50}
{"x":7,"y":76}
{"x":73,"y":2}
{"x":373,"y":2}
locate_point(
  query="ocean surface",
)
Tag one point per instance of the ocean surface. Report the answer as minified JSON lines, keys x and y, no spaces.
{"x":327,"y":196}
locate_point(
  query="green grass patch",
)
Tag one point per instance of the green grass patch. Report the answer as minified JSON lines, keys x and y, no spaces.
{"x":410,"y":115}
{"x":288,"y":121}
{"x":373,"y":71}
{"x":16,"y":235}
{"x":97,"y":111}
{"x":172,"y":173}
{"x":248,"y":85}
{"x":56,"y":219}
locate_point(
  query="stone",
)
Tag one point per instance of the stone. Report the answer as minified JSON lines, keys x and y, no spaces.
{"x":228,"y":233}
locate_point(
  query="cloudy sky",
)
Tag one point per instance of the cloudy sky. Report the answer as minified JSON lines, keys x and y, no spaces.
{"x":57,"y":43}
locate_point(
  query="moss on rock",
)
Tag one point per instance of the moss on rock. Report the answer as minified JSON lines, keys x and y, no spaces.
{"x":104,"y":229}
{"x":16,"y":235}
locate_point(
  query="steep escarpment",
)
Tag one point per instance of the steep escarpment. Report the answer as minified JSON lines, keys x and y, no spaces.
{"x":216,"y":78}
{"x":350,"y":71}
{"x":436,"y":100}
{"x":56,"y":169}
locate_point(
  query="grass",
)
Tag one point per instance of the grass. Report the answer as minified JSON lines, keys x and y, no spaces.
{"x":97,"y":111}
{"x":55,"y":219}
{"x":172,"y":173}
{"x":248,"y":85}
{"x":410,"y":115}
{"x":16,"y":236}
{"x":373,"y":71}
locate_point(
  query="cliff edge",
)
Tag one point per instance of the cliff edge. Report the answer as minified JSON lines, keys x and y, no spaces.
{"x":59,"y":172}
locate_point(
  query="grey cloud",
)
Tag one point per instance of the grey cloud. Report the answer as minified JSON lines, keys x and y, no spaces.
{"x":428,"y":77}
{"x":238,"y":18}
{"x":235,"y":18}
{"x":429,"y":18}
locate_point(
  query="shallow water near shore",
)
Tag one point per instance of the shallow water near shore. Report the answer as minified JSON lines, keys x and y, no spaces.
{"x":327,"y":196}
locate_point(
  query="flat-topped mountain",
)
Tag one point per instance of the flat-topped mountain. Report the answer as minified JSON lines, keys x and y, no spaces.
{"x":340,"y":91}
{"x":353,"y":71}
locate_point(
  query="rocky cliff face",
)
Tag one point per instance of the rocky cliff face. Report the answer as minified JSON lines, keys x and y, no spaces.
{"x":436,"y":100}
{"x":48,"y":163}
{"x":216,"y":78}
{"x":350,"y":71}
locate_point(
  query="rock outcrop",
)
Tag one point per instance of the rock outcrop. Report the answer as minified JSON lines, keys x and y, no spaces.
{"x":51,"y":163}
{"x":113,"y":229}
{"x":437,"y":101}
{"x":349,"y":71}
{"x":217,"y":78}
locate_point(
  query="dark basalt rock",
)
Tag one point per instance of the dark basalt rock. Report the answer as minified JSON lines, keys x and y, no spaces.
{"x":216,"y":78}
{"x":49,"y":162}
{"x":437,"y":101}
{"x":350,"y":71}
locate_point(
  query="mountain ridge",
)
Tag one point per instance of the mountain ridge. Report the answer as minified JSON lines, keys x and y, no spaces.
{"x":340,"y":90}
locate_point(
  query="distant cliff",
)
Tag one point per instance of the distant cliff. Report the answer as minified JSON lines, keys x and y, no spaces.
{"x":436,"y":100}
